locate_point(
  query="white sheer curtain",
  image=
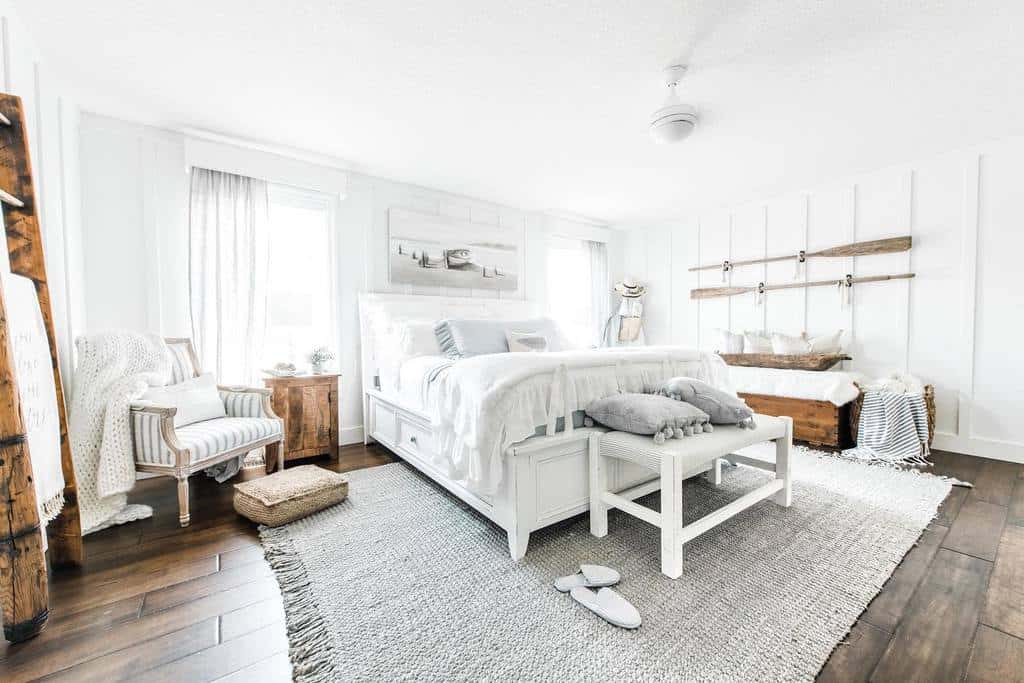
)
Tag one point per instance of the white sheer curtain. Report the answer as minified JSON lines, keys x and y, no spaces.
{"x":228,"y":270}
{"x":600,"y":289}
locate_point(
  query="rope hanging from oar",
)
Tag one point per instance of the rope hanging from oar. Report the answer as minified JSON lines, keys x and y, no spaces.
{"x":801,"y":260}
{"x":726,"y":267}
{"x":845,"y":285}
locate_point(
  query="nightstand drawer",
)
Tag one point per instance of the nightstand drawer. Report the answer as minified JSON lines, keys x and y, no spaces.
{"x":415,"y":439}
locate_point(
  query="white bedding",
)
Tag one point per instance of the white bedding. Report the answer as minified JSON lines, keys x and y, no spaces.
{"x":834,"y":386}
{"x":482,"y":405}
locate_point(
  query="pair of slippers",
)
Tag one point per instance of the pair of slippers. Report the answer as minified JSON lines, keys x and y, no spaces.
{"x":604,"y":602}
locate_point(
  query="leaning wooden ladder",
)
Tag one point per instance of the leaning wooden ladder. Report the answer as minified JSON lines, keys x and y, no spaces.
{"x":23,"y":577}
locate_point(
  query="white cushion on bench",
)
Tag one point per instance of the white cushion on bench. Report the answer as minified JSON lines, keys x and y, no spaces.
{"x":696,"y":449}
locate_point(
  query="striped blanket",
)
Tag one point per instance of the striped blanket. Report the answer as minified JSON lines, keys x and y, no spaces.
{"x":893,"y":429}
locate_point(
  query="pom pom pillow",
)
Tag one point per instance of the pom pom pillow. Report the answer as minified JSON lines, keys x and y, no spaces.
{"x":649,"y":414}
{"x":722,"y":408}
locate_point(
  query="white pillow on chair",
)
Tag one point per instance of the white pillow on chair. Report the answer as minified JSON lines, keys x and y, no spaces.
{"x":196,"y":399}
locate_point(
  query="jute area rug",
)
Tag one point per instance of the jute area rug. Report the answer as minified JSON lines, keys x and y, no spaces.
{"x":402,"y":581}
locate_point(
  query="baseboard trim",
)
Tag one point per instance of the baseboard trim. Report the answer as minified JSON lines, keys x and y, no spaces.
{"x":350,"y":435}
{"x":981,"y":448}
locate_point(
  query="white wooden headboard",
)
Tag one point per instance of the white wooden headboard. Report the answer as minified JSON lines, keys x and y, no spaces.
{"x":377,"y":309}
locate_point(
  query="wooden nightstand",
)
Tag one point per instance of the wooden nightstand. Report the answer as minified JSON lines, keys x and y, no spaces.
{"x":308,"y":404}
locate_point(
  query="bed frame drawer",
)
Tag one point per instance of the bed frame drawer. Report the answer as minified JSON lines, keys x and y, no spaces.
{"x":414,"y":439}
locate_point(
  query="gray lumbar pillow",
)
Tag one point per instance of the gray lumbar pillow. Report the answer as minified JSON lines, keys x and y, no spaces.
{"x":649,"y":414}
{"x":720,"y":406}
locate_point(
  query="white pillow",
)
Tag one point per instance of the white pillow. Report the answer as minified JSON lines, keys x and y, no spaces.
{"x":526,"y":342}
{"x":827,"y":343}
{"x":755,"y":342}
{"x":417,"y":338}
{"x":729,"y":342}
{"x":196,"y":399}
{"x":785,"y":345}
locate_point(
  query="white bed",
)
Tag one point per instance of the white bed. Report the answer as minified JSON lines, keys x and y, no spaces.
{"x":541,"y":479}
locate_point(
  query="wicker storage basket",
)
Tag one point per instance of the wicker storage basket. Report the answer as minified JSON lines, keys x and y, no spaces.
{"x":929,"y":404}
{"x":288,"y":495}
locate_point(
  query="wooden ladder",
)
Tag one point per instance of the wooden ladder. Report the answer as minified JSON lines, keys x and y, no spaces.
{"x":24,"y":595}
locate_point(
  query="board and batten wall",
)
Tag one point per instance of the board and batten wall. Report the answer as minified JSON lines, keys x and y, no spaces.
{"x":957,"y":325}
{"x":51,"y":119}
{"x":135,"y":218}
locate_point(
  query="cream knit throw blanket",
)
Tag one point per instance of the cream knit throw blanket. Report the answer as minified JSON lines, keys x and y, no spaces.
{"x":114,"y":369}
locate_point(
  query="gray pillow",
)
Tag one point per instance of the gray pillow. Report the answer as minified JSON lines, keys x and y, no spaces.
{"x":649,"y":414}
{"x":720,"y":406}
{"x":461,"y":338}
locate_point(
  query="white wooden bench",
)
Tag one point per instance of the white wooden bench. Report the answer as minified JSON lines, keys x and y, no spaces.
{"x":680,"y":459}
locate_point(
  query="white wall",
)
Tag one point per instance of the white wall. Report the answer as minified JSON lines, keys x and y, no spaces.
{"x":954,"y":325}
{"x":52,"y":124}
{"x":135,"y":224}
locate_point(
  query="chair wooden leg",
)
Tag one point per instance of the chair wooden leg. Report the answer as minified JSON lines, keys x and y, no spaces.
{"x":183,"y":513}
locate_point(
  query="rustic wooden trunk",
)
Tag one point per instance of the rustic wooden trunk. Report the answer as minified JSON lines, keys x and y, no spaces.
{"x":820,"y":423}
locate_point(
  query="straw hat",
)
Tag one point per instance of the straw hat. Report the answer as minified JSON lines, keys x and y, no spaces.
{"x":630,"y":288}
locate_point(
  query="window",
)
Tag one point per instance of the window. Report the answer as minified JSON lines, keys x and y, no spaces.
{"x":578,"y":288}
{"x":301,"y":310}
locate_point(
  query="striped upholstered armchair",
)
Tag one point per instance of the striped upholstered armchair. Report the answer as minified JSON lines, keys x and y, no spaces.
{"x":179,"y":452}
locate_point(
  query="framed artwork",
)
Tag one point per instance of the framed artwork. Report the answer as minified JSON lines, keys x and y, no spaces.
{"x":437,"y":251}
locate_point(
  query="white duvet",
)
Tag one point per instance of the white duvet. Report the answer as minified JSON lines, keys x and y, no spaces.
{"x":483,"y":405}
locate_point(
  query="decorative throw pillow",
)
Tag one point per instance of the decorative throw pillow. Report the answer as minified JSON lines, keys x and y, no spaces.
{"x":526,"y":341}
{"x":827,"y":343}
{"x":755,"y":342}
{"x":461,"y":338}
{"x":785,"y":345}
{"x":722,"y":408}
{"x":729,"y":342}
{"x":196,"y":399}
{"x":649,"y":414}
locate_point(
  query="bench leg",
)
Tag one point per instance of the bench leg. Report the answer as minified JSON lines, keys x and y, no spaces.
{"x":714,"y":475}
{"x":518,"y":540}
{"x":671,"y":518}
{"x":598,"y":485}
{"x":784,"y":466}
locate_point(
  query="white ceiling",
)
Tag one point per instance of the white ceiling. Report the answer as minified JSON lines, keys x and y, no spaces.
{"x":543,"y":104}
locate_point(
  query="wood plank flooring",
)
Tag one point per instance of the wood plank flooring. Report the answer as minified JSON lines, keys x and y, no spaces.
{"x":158,"y":603}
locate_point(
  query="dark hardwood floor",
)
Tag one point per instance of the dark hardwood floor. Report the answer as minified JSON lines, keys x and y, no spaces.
{"x":158,"y":603}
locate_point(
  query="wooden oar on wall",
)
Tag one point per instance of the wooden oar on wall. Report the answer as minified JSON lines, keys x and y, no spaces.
{"x":890,"y":245}
{"x":848,"y":281}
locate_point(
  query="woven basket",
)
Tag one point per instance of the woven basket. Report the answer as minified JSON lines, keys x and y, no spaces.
{"x":929,"y":404}
{"x":288,"y":495}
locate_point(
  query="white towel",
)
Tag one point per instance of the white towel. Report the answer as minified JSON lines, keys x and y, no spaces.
{"x":36,"y":391}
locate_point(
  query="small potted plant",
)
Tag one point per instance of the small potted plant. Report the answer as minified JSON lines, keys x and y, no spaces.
{"x":319,"y":358}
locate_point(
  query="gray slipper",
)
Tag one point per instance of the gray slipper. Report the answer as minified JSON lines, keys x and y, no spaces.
{"x":589,"y":576}
{"x":608,"y":605}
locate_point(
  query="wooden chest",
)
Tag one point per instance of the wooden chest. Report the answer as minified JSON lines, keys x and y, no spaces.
{"x":820,"y":423}
{"x":308,"y":404}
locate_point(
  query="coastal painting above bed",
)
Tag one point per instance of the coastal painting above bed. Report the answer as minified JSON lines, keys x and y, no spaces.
{"x":438,"y":251}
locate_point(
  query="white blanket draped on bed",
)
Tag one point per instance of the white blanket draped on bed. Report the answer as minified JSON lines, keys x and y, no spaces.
{"x":486,"y":403}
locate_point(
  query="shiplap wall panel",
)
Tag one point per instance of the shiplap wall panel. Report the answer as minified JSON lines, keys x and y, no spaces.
{"x":830,"y":217}
{"x":786,"y":220}
{"x":955,"y":325}
{"x":714,"y":248}
{"x":880,"y":319}
{"x":998,"y":370}
{"x":685,"y":242}
{"x":658,"y":302}
{"x":748,"y":234}
{"x":935,"y":293}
